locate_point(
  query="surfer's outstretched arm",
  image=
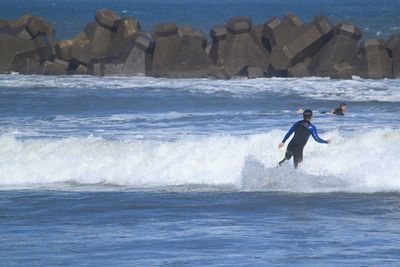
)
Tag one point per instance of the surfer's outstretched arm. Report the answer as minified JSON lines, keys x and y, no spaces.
{"x":290,"y":132}
{"x":314,"y":134}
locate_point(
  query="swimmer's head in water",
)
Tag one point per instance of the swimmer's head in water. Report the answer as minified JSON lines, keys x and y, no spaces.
{"x":343,"y":107}
{"x":307,"y":114}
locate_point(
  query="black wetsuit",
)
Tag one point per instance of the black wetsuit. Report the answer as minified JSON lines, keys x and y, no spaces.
{"x":338,"y":111}
{"x":302,"y":131}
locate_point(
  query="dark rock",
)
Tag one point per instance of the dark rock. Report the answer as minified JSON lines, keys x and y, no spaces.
{"x":392,"y":43}
{"x":299,"y":70}
{"x":342,"y":48}
{"x":375,"y":61}
{"x":107,"y":18}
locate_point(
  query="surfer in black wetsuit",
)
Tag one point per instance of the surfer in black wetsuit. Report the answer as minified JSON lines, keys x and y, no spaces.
{"x":340,"y":110}
{"x":302,"y":131}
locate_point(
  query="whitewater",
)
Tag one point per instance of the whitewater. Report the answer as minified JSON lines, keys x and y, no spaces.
{"x":362,"y":162}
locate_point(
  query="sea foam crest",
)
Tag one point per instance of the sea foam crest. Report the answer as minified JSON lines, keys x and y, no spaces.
{"x":366,"y":162}
{"x":313,"y":87}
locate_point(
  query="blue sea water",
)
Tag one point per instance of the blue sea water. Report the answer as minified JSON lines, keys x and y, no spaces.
{"x":157,"y":172}
{"x":377,"y":18}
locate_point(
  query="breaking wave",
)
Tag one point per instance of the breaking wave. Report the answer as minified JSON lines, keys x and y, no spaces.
{"x":313,"y":87}
{"x":355,"y":162}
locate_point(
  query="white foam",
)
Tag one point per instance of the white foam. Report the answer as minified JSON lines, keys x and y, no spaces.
{"x":366,"y":162}
{"x":316,"y":88}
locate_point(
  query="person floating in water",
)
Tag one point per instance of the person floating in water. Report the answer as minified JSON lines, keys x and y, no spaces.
{"x":340,"y":110}
{"x":302,"y":131}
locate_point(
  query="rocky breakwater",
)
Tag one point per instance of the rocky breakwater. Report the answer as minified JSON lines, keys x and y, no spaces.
{"x":111,"y":45}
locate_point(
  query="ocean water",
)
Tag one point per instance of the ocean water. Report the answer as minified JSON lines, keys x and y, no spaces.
{"x":377,"y":18}
{"x":157,"y":172}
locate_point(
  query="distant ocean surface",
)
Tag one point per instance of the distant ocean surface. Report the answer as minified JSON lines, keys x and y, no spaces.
{"x":377,"y":18}
{"x":157,"y":172}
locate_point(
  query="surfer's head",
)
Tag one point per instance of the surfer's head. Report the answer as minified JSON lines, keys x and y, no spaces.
{"x":343,"y":107}
{"x":307,"y":114}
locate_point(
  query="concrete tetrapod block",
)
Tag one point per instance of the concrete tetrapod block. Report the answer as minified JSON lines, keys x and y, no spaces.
{"x":254,"y":72}
{"x":256,"y":32}
{"x":238,"y":25}
{"x":342,"y":48}
{"x":39,"y":27}
{"x":10,"y":45}
{"x":165,"y":29}
{"x":46,"y":48}
{"x":342,"y":71}
{"x":309,"y":38}
{"x":375,"y":61}
{"x":241,"y":50}
{"x":80,"y":70}
{"x":127,"y":27}
{"x":167,"y":45}
{"x":18,"y":27}
{"x":100,"y":39}
{"x":218,"y":35}
{"x":305,"y":41}
{"x":31,"y":66}
{"x":299,"y":70}
{"x":57,"y":67}
{"x":275,"y":33}
{"x":19,"y":60}
{"x":192,"y":59}
{"x":392,"y":43}
{"x":396,"y":62}
{"x":292,"y":20}
{"x":180,"y":52}
{"x":195,"y":34}
{"x":107,"y":18}
{"x":138,"y":61}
